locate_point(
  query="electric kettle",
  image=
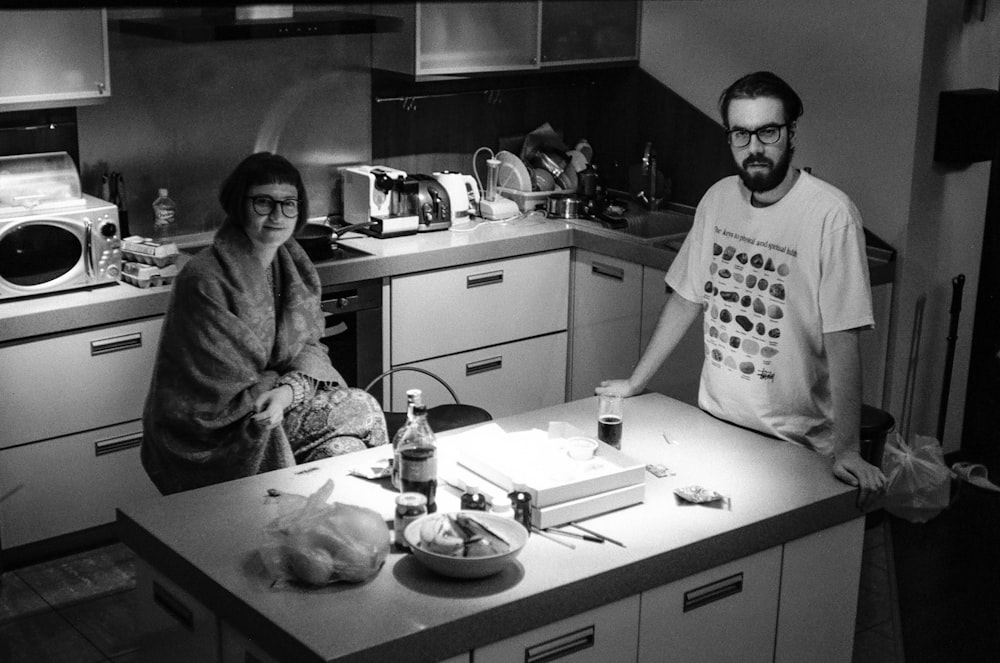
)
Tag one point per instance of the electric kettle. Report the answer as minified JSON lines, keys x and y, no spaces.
{"x":463,"y":192}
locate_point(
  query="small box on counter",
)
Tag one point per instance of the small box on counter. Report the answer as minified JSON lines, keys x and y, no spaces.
{"x":143,"y":276}
{"x":150,"y":252}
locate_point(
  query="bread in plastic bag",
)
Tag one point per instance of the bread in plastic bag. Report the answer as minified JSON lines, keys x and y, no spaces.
{"x":318,"y":543}
{"x":918,"y":481}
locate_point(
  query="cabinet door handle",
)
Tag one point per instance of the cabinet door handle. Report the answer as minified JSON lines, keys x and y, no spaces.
{"x":486,"y":278}
{"x":115,"y":344}
{"x":561,"y":646}
{"x":173,"y":606}
{"x":616,"y":273}
{"x":115,"y":444}
{"x":484,"y":365}
{"x":713,"y":591}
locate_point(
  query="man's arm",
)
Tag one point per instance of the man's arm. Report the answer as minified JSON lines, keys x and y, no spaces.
{"x":677,"y":315}
{"x":843,"y":351}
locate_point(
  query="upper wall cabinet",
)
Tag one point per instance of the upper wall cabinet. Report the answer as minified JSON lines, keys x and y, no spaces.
{"x":449,"y":38}
{"x":576,"y":32}
{"x":52,"y":58}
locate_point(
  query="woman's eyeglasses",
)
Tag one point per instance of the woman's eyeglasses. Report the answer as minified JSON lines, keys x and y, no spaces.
{"x":767,"y":135}
{"x":264,"y":205}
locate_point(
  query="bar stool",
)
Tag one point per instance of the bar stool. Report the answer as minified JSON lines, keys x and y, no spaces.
{"x":440,"y":417}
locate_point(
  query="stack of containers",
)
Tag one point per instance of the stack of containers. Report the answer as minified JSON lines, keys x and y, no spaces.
{"x":146,"y":262}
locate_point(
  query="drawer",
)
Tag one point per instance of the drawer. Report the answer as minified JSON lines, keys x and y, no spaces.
{"x":504,"y":379}
{"x":70,"y":483}
{"x":724,"y":614}
{"x":608,"y":633}
{"x":173,"y":625}
{"x":464,"y":308}
{"x":66,"y":384}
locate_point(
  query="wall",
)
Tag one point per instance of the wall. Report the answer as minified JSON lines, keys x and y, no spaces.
{"x":869,"y":72}
{"x":181,"y":116}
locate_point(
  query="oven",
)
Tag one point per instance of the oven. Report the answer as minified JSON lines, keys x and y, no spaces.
{"x":353,"y":330}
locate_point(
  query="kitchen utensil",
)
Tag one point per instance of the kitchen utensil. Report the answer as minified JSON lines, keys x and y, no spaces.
{"x":319,"y":240}
{"x":433,"y":204}
{"x":543,"y":180}
{"x":463,"y":191}
{"x":512,"y":173}
{"x":469,"y":567}
{"x":564,"y":206}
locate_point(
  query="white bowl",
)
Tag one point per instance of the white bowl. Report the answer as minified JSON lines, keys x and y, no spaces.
{"x":469,"y":567}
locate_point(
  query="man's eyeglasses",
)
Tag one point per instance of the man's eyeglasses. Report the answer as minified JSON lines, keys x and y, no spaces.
{"x":767,"y":135}
{"x":264,"y":205}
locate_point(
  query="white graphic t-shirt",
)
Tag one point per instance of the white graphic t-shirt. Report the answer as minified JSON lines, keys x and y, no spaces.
{"x":772,"y":281}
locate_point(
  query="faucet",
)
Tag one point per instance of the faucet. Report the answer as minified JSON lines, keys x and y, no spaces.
{"x":648,"y":194}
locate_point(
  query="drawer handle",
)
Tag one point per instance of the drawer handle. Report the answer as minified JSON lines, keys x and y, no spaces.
{"x":338,"y":328}
{"x":564,"y":645}
{"x":115,"y":344}
{"x":484,"y":365}
{"x":616,"y":273}
{"x":486,"y":278}
{"x":713,"y":591}
{"x":115,"y":444}
{"x":173,"y":606}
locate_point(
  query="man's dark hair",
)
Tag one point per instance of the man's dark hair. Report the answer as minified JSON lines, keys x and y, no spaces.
{"x":761,"y":84}
{"x":255,"y":170}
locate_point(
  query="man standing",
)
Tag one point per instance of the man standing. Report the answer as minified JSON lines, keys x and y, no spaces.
{"x":776,"y":262}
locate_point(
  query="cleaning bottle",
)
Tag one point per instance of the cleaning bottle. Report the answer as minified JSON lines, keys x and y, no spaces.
{"x":164,"y":208}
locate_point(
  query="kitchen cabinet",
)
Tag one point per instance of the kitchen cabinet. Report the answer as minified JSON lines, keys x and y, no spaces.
{"x":175,"y":625}
{"x":447,"y":38}
{"x":819,"y":594}
{"x":724,"y":614}
{"x":589,"y":32}
{"x":458,"y":37}
{"x":489,"y":329}
{"x":680,"y":374}
{"x":607,"y":633}
{"x":53,"y":58}
{"x":607,"y":304}
{"x":73,"y":400}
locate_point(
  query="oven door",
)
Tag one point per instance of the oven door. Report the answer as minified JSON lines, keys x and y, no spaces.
{"x":353,"y":330}
{"x":43,"y":255}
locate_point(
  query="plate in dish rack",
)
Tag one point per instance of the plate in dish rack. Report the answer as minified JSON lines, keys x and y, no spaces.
{"x":512,"y":173}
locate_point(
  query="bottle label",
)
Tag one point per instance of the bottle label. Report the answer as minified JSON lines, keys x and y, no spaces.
{"x":418,"y":464}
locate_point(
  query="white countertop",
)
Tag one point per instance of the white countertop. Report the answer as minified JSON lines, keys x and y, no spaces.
{"x":205,"y":540}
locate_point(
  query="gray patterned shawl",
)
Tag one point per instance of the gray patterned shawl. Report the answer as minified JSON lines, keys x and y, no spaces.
{"x":222,"y":347}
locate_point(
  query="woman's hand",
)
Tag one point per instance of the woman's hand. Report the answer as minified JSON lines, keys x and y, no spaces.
{"x":622,"y":387}
{"x":270,"y":406}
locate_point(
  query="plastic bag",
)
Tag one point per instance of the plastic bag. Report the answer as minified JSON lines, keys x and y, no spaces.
{"x":919,"y":482}
{"x":318,"y":543}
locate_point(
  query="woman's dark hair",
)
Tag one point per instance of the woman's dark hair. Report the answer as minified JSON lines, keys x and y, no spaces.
{"x":255,"y":170}
{"x":761,"y":84}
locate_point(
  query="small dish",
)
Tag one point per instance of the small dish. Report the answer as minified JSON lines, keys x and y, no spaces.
{"x":512,"y":173}
{"x":581,"y":448}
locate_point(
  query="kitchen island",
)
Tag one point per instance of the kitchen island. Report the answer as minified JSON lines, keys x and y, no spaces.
{"x":770,"y":573}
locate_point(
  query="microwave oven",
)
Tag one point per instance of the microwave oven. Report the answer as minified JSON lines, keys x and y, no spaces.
{"x":64,"y":248}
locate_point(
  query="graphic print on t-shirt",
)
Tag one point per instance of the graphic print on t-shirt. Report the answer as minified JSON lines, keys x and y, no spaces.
{"x":746,"y":299}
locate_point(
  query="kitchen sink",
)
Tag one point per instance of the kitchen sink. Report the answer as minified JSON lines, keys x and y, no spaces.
{"x":663,"y":227}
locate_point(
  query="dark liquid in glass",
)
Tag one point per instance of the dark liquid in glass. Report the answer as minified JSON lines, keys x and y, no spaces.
{"x":609,"y":430}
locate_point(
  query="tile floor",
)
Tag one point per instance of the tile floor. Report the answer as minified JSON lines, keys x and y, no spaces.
{"x":80,"y":608}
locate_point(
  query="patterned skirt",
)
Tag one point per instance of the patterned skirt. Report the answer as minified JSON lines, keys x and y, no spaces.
{"x":336,"y":420}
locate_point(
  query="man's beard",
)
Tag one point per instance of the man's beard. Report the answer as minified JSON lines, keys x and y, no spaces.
{"x":762,"y":181}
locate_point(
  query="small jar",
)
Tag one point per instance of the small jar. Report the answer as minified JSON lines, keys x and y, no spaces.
{"x":409,"y":507}
{"x":502,"y":507}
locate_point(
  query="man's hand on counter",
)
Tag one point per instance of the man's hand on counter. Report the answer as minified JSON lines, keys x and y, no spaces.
{"x":621,"y":387}
{"x":852,"y":469}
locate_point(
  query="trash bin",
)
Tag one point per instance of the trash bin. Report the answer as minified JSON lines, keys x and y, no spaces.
{"x":876,"y":424}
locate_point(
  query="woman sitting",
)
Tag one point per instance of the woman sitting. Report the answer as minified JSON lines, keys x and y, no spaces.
{"x":242,"y":384}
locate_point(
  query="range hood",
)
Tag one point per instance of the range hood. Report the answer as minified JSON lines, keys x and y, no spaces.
{"x":227,"y":24}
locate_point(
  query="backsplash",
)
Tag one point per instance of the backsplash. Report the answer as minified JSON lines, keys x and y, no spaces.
{"x":181,"y":116}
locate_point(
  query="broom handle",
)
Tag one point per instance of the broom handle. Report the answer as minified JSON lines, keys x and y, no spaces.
{"x":957,"y":284}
